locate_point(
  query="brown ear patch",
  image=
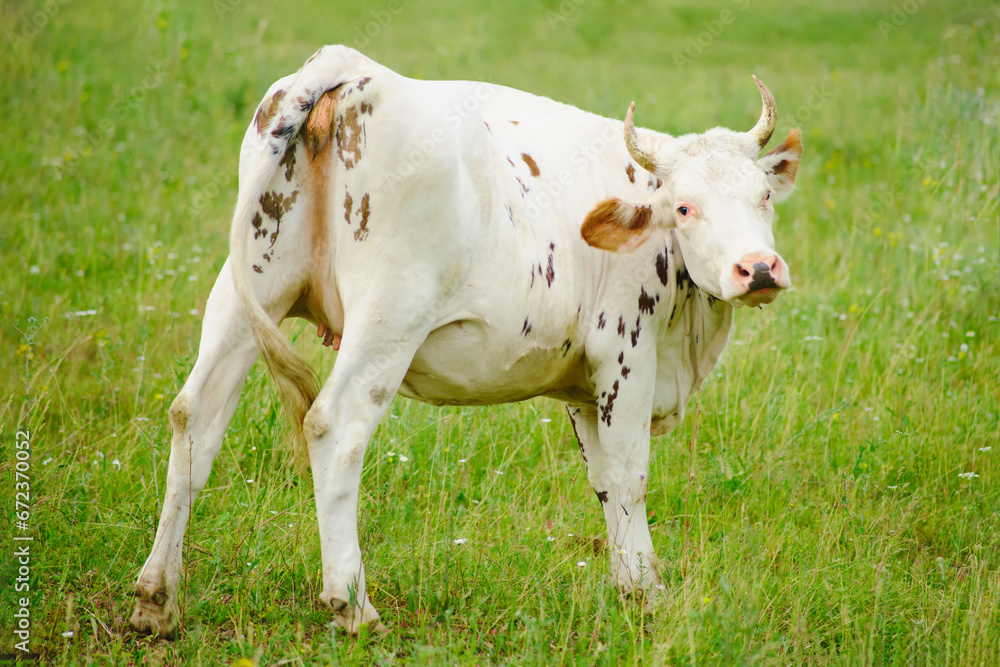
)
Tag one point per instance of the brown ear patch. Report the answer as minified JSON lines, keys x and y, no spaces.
{"x":617,"y":226}
{"x":792,"y":146}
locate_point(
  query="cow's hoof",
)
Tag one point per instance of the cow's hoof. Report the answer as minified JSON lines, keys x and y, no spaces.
{"x":155,"y":613}
{"x":352,"y":619}
{"x":648,"y":597}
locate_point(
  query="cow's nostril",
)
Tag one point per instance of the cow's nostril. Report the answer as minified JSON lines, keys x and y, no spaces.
{"x":743,"y":272}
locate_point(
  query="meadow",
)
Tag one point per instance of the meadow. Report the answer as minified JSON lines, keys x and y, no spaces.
{"x":832,"y":497}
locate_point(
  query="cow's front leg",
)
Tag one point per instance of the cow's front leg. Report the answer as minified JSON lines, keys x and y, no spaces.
{"x":338,"y":426}
{"x":614,"y":441}
{"x":199,"y":416}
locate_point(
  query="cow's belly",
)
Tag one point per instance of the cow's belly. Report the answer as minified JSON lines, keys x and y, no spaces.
{"x":469,"y":363}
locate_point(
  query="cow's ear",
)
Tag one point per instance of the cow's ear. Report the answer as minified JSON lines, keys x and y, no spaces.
{"x":782,"y":163}
{"x":617,"y":226}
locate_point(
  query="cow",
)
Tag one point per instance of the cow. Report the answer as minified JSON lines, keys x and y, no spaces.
{"x":465,"y":243}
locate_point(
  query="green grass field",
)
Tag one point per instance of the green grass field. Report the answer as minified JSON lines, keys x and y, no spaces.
{"x":832,"y":497}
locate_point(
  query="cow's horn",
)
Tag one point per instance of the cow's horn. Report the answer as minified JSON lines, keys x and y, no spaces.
{"x":645,"y":158}
{"x":764,"y":128}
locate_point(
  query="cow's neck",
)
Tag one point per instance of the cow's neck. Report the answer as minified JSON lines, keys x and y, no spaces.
{"x":693,"y":332}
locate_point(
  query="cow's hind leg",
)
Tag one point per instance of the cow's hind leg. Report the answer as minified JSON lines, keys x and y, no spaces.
{"x":199,"y":416}
{"x":366,"y":375}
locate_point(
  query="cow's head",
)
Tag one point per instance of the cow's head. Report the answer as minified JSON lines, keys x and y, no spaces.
{"x":717,"y":193}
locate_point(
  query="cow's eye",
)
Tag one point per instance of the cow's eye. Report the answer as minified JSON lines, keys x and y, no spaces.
{"x":768,"y":195}
{"x":683,"y":210}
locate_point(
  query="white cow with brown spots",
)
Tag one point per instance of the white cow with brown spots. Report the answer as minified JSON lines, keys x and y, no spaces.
{"x":466,"y":243}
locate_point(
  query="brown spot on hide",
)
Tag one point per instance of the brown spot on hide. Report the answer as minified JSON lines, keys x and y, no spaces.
{"x":511,"y":161}
{"x":600,"y":321}
{"x":630,"y":171}
{"x":264,"y":116}
{"x":257,"y":221}
{"x":662,"y":268}
{"x":514,"y":122}
{"x":646,"y":303}
{"x":363,"y":82}
{"x":621,"y":326}
{"x":602,"y":496}
{"x":258,"y":269}
{"x":364,"y":210}
{"x":379,"y":395}
{"x":609,"y":405}
{"x":288,"y":161}
{"x":275,"y":205}
{"x":532,"y":166}
{"x":350,"y":137}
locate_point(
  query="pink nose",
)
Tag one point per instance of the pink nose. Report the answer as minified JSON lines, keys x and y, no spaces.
{"x":761,"y":270}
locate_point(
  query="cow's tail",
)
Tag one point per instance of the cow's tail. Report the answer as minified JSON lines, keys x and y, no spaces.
{"x":297,"y":384}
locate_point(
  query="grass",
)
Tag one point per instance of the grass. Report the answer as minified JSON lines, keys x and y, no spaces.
{"x":832,"y":497}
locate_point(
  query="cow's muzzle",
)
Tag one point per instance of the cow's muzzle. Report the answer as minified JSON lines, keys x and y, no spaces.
{"x":761,"y":276}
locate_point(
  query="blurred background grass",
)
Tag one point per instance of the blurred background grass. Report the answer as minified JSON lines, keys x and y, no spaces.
{"x":835,"y":500}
